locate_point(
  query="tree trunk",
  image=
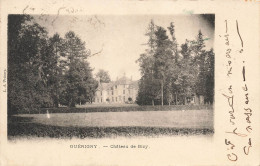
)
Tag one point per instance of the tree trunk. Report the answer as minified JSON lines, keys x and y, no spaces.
{"x":71,"y":103}
{"x":169,"y":99}
{"x":56,"y":103}
{"x":162,"y":91}
{"x":176,"y":99}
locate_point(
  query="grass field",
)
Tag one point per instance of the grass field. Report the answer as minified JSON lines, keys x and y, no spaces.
{"x":189,"y":119}
{"x":112,"y":124}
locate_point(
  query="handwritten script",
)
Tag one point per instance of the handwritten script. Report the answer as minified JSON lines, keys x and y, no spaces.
{"x":238,"y":128}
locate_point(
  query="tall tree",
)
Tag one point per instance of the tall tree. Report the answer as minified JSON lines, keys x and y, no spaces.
{"x":173,"y":68}
{"x":163,"y":58}
{"x":15,"y":82}
{"x":170,"y":73}
{"x":188,"y":72}
{"x":103,"y":76}
{"x":174,"y":44}
{"x":56,"y":68}
{"x":27,"y":56}
{"x":148,"y":90}
{"x":43,"y":71}
{"x":149,"y":86}
{"x":210,"y":62}
{"x":200,"y":55}
{"x":78,"y":74}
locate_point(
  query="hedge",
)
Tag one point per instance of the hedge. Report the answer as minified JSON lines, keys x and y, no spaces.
{"x":118,"y":109}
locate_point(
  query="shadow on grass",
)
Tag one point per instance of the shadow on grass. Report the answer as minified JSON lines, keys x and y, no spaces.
{"x":22,"y":127}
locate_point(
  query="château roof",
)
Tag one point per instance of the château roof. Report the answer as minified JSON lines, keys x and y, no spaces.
{"x":104,"y":86}
{"x":121,"y":81}
{"x":134,"y":85}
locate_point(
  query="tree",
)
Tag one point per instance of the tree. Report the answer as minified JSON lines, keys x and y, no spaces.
{"x":199,"y":51}
{"x":103,"y":76}
{"x":200,"y":68}
{"x":210,"y":61}
{"x":173,"y":67}
{"x":174,"y":43}
{"x":27,"y":56}
{"x":171,"y":73}
{"x":158,"y":66}
{"x":56,"y":68}
{"x":148,"y":85}
{"x":188,"y":71}
{"x":78,"y":74}
{"x":15,"y":99}
{"x":43,"y":71}
{"x":163,"y":58}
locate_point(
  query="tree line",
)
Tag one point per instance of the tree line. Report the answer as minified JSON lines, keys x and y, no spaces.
{"x":171,"y":73}
{"x":46,"y":71}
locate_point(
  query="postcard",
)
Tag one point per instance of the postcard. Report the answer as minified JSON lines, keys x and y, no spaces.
{"x":130,"y":83}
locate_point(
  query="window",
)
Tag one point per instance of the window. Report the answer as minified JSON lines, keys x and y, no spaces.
{"x":112,"y":99}
{"x":101,"y":100}
{"x":112,"y":92}
{"x":97,"y":100}
{"x":116,"y":99}
{"x":116,"y":86}
{"x":124,"y":98}
{"x":101,"y":94}
{"x":123,"y":91}
{"x":119,"y":98}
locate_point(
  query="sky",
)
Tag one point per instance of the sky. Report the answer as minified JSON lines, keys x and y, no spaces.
{"x":120,"y":39}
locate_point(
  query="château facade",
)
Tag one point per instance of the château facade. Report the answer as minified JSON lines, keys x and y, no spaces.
{"x":123,"y":90}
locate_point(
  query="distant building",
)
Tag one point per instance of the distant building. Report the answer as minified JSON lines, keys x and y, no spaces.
{"x":123,"y":90}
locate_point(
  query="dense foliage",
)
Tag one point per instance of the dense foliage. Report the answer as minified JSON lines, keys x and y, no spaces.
{"x":103,"y":76}
{"x":45,"y":71}
{"x":171,"y":73}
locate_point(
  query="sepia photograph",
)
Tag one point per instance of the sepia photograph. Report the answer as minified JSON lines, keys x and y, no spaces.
{"x":128,"y":82}
{"x":110,"y":76}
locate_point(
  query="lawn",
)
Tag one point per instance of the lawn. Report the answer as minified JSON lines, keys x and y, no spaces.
{"x":112,"y":124}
